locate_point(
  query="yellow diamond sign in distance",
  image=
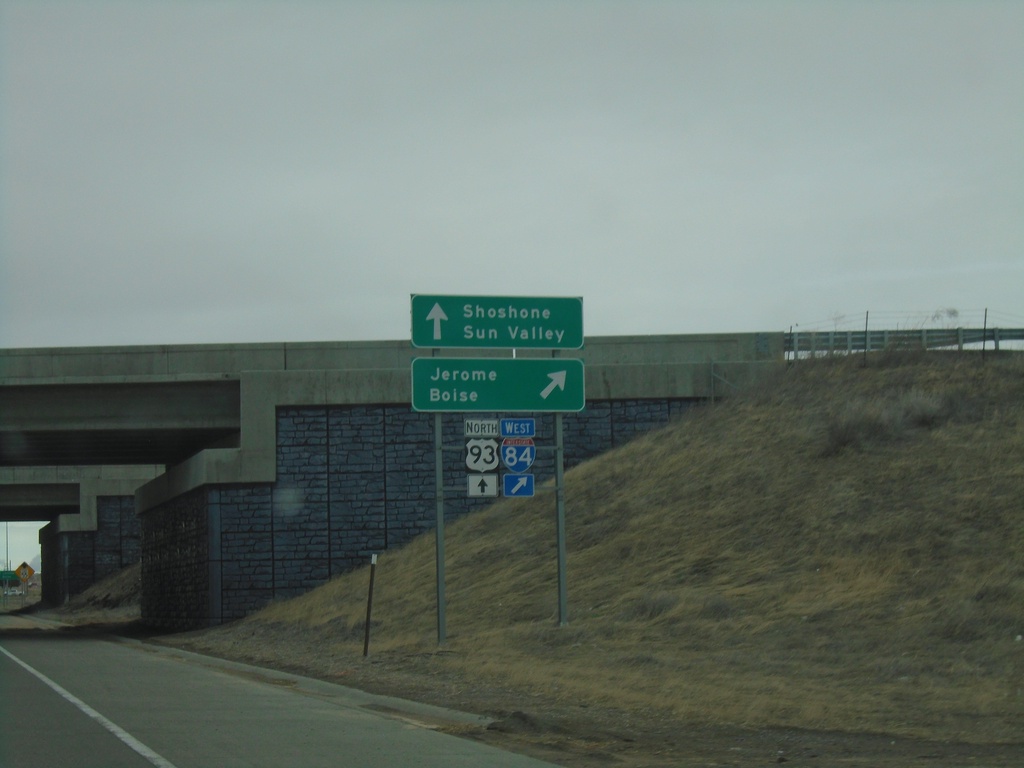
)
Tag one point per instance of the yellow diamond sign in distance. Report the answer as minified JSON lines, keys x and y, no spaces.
{"x":25,"y":572}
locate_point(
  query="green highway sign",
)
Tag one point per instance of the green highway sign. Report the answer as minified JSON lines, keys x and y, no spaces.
{"x":497,"y":322}
{"x":497,"y":384}
{"x":9,"y":576}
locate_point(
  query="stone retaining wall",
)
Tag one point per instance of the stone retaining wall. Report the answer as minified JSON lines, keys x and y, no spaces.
{"x":176,"y":563}
{"x":351,"y":481}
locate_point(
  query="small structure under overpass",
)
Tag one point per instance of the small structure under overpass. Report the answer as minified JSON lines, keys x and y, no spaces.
{"x":93,"y":530}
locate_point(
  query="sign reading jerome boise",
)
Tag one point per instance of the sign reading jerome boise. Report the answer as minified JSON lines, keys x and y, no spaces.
{"x":497,"y":384}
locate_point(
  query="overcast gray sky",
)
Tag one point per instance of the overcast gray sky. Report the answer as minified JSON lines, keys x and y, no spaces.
{"x":22,"y":547}
{"x":191,"y":172}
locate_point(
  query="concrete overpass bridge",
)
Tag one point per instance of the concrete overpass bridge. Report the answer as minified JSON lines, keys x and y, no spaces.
{"x":243,"y":473}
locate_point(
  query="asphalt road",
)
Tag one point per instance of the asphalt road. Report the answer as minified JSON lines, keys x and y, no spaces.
{"x":89,"y":702}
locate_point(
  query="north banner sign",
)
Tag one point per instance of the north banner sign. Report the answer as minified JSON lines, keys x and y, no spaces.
{"x":481,"y":427}
{"x":497,"y":322}
{"x":497,"y":384}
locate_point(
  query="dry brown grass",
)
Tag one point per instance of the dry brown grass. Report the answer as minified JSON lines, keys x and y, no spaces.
{"x":115,"y":599}
{"x":842,"y":549}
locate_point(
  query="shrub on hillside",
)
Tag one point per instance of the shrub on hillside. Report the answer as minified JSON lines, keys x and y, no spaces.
{"x":860,"y":423}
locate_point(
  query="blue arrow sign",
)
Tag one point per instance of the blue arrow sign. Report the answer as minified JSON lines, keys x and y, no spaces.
{"x":517,"y":485}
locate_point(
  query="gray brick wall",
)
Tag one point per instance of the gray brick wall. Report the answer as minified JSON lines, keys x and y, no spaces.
{"x":176,"y":563}
{"x":357,"y":486}
{"x":241,"y":549}
{"x":117,"y":543}
{"x":77,"y":559}
{"x":299,"y":502}
{"x":351,"y":481}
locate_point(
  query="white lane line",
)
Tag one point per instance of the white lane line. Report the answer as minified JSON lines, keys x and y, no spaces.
{"x":122,"y":734}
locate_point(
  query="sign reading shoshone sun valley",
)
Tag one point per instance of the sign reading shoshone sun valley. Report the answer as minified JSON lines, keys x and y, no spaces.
{"x":497,"y":322}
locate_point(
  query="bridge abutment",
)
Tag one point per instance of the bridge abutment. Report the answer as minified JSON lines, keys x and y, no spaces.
{"x":350,"y":481}
{"x":285,"y":464}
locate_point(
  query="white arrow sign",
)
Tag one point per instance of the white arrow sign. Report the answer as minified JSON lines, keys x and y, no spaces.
{"x":482,"y":485}
{"x":557,"y":380}
{"x":437,"y":315}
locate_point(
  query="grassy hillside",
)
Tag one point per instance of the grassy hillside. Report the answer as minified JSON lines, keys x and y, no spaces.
{"x":842,"y":549}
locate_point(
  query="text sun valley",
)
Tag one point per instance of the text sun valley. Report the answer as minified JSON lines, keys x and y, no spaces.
{"x":515,"y":332}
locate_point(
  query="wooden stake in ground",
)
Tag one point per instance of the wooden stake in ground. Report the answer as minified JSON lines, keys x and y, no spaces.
{"x":369,"y":607}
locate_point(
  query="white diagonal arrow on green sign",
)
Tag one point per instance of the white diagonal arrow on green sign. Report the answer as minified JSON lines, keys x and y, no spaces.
{"x":497,"y":384}
{"x":557,"y":380}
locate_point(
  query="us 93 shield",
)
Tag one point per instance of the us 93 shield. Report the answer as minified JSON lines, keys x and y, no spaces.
{"x":481,"y":455}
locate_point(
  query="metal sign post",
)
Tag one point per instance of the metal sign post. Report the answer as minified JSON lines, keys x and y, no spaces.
{"x":442,"y":631}
{"x":369,"y":607}
{"x":563,"y":592}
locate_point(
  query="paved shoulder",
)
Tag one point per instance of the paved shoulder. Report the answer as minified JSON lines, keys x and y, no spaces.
{"x":191,"y":710}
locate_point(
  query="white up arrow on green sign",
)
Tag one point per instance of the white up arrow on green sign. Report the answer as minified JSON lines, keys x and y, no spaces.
{"x":497,"y":384}
{"x":497,"y":322}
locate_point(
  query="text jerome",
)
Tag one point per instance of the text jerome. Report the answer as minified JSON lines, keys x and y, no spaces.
{"x":453,"y":392}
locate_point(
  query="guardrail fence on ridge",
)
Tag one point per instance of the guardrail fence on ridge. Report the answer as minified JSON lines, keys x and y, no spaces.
{"x":811,"y":343}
